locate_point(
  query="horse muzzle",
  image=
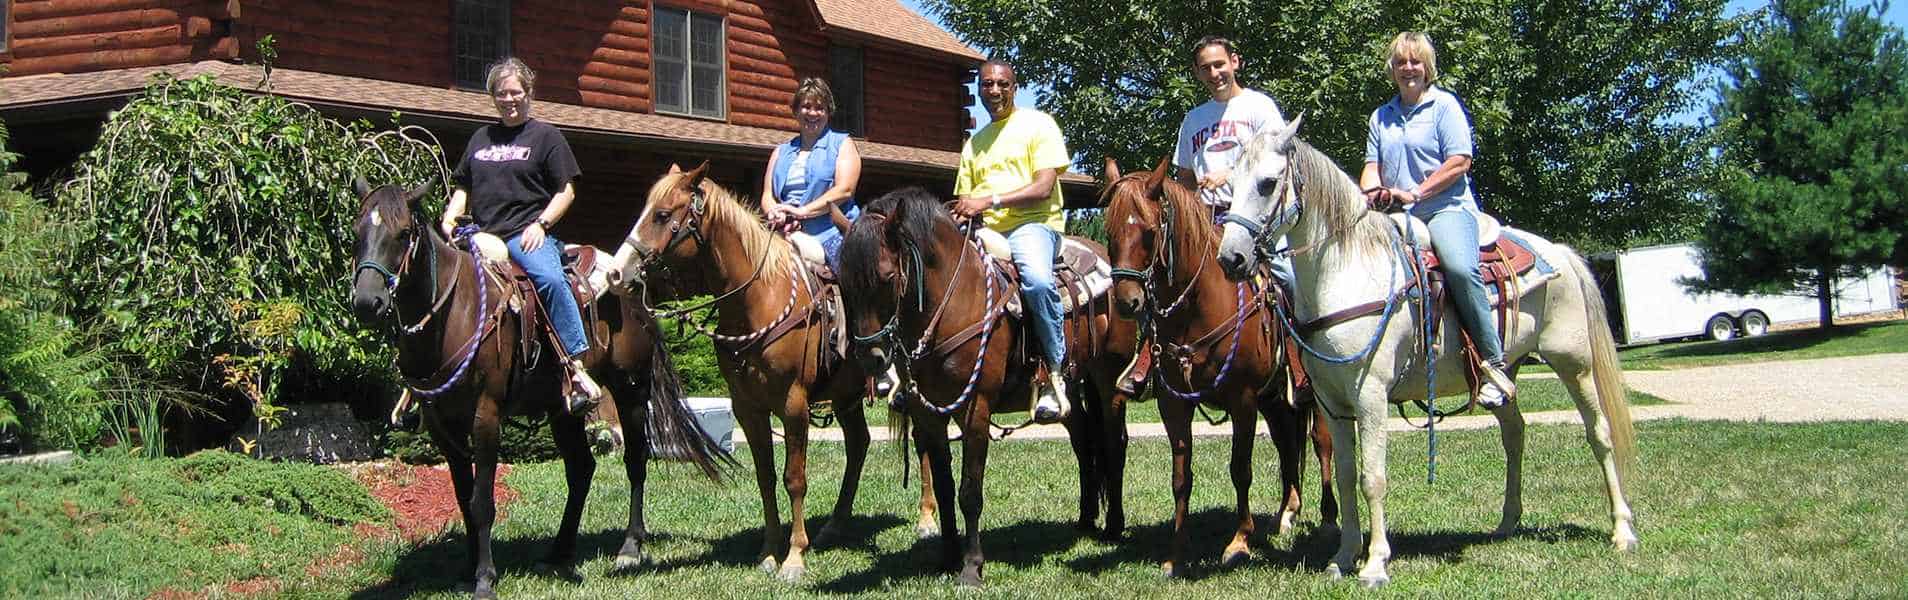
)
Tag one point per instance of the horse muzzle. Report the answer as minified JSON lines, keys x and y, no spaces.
{"x":1127,"y":301}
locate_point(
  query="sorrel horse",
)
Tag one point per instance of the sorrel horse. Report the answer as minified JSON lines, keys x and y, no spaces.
{"x":1215,"y":343}
{"x":1348,"y":257}
{"x":770,"y":335}
{"x":458,"y":348}
{"x":902,"y":264}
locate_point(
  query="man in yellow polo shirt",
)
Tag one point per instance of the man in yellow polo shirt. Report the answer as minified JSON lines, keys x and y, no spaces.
{"x":1009,"y":177}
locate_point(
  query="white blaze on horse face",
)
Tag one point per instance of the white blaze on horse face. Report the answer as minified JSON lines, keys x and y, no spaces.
{"x":376,"y":220}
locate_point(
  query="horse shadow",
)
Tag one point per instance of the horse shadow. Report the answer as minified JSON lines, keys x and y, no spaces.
{"x":740,"y":548}
{"x":443,"y":565}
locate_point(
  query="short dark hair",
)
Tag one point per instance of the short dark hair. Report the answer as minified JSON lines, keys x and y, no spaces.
{"x":813,"y":88}
{"x":1003,"y":63}
{"x":1213,"y":40}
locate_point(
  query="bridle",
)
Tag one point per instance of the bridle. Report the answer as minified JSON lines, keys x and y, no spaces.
{"x":1283,"y":216}
{"x":394,"y":277}
{"x":889,"y":332}
{"x":1163,"y":264}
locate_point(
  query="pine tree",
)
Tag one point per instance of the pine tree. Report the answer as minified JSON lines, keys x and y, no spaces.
{"x":1811,"y":125}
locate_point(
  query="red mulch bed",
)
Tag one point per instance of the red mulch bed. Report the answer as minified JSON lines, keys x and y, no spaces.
{"x":421,"y":497}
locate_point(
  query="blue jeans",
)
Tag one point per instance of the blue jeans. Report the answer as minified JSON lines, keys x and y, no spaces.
{"x":545,"y":267}
{"x":1035,"y":246}
{"x":1454,"y":239}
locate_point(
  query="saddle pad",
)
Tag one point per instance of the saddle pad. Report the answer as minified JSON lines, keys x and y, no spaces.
{"x":590,"y":263}
{"x":811,"y":252}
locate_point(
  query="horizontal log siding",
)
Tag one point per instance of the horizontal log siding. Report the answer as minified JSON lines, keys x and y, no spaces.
{"x":77,"y":36}
{"x":914,"y":101}
{"x":406,"y":42}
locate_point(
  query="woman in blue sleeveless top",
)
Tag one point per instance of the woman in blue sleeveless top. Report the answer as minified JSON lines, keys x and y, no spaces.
{"x":811,"y":179}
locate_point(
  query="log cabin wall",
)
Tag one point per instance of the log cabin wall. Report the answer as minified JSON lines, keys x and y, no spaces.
{"x":73,"y":36}
{"x":406,"y":41}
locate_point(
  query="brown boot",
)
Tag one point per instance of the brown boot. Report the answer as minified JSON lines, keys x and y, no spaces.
{"x":1137,"y":373}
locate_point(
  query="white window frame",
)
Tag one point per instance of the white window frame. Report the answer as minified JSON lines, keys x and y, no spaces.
{"x":684,"y":61}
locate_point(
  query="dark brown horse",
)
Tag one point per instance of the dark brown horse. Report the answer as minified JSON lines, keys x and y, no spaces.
{"x":903,"y":263}
{"x":1217,"y":345}
{"x":770,"y":335}
{"x":459,"y":349}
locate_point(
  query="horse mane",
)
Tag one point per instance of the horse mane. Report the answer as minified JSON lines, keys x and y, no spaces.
{"x":720,"y":207}
{"x":1192,"y":218}
{"x":1329,"y":195}
{"x":861,"y":247}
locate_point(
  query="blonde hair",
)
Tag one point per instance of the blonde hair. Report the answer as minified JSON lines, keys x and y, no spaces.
{"x":813,"y":88}
{"x":511,"y":67}
{"x":1414,"y":44}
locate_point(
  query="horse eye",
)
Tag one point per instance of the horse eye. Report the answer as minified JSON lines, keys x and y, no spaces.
{"x":662,"y":215}
{"x":1267,"y":186}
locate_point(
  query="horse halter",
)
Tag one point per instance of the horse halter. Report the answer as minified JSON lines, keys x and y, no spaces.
{"x":1164,"y":263}
{"x":1282,"y":216}
{"x":683,"y":228}
{"x":394,"y":277}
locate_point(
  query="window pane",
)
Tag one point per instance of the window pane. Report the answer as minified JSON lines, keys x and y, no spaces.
{"x":845,"y":77}
{"x":669,"y":86}
{"x":706,"y":39}
{"x":707,"y":82}
{"x":671,"y":33}
{"x":481,"y":36}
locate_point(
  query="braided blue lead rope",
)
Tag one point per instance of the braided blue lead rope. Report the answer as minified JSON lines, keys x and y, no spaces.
{"x":980,"y":355}
{"x":476,"y":335}
{"x":1391,"y":303}
{"x":1225,"y":367}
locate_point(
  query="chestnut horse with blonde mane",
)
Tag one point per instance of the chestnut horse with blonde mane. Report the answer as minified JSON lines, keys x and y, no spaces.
{"x":770,"y":336}
{"x":1216,"y":344}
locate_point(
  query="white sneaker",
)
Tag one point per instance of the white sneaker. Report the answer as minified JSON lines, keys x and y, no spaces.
{"x":1496,"y":388}
{"x":1053,"y":405}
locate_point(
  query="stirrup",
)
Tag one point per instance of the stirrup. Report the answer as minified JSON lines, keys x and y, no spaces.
{"x":1051,"y":404}
{"x":1496,"y":389}
{"x":584,"y":392}
{"x":1133,"y":380}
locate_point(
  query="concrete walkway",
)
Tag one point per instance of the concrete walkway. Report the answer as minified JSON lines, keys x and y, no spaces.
{"x":1873,"y":387}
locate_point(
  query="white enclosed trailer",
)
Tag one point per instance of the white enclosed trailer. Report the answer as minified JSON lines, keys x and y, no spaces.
{"x":1648,"y":302}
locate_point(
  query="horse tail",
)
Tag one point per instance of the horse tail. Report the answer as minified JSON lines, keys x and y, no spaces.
{"x":672,"y":426}
{"x":1605,"y":371}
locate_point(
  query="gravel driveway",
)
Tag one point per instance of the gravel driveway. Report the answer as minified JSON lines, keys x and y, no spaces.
{"x":1873,"y":387}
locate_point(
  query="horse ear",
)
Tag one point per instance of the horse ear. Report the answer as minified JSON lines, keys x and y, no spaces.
{"x":1112,"y":170}
{"x":694,"y":179}
{"x":674,"y":169}
{"x":1158,"y":177}
{"x":360,"y":187}
{"x":418,"y":193}
{"x":1290,"y":131}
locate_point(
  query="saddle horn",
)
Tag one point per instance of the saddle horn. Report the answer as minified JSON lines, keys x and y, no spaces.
{"x":1112,"y":170}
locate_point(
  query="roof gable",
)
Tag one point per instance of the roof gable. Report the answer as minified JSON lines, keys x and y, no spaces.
{"x":889,"y":20}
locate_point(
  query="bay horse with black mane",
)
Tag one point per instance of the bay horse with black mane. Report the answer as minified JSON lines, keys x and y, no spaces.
{"x":772,"y":336}
{"x":460,"y":349}
{"x":1216,"y":344}
{"x":904,"y":262}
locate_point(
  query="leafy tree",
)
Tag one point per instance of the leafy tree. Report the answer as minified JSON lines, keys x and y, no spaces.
{"x":219,"y":229}
{"x":1812,"y":126}
{"x":1572,"y":102}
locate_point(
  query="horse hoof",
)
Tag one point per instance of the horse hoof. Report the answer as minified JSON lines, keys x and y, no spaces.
{"x":1287,"y":523}
{"x":1234,"y":558}
{"x":1333,"y":572}
{"x":767,"y":565}
{"x":1625,"y":545}
{"x":626,"y":563}
{"x":969,"y":578}
{"x":483,"y":592}
{"x":557,"y":570}
{"x":1168,"y":571}
{"x":1372,"y":582}
{"x":791,"y":573}
{"x":926,"y":532}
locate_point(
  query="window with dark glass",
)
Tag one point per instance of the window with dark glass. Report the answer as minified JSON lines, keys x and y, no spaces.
{"x":845,"y":78}
{"x":687,"y":49}
{"x":480,"y":34}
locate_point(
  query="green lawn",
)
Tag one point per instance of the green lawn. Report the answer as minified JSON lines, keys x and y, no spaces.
{"x":1534,"y":394}
{"x":1743,"y":510}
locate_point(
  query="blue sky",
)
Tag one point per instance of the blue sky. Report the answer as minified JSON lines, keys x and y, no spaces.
{"x":1896,"y":14}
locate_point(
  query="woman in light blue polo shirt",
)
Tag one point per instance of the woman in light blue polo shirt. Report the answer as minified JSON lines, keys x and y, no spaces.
{"x":811,"y":178}
{"x":1419,"y":153}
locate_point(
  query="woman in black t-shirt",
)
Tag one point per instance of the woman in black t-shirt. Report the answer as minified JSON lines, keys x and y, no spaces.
{"x":515,"y":180}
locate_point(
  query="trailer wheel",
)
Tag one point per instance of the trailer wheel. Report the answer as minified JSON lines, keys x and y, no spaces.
{"x":1754,"y":323}
{"x":1721,"y":328}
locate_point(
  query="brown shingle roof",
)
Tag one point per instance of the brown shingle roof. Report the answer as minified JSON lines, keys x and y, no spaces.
{"x":887,"y":19}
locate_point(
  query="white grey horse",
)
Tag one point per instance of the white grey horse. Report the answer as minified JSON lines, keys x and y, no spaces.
{"x":1346,"y":255}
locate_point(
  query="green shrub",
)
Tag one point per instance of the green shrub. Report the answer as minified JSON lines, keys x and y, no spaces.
{"x":207,"y":205}
{"x":138,"y":526}
{"x":49,"y":374}
{"x":519,"y":441}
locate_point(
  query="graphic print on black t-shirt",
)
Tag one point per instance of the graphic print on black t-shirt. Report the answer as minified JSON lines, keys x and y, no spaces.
{"x":510,"y":174}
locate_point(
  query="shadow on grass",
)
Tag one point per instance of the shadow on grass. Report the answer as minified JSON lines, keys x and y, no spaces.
{"x":1786,"y":341}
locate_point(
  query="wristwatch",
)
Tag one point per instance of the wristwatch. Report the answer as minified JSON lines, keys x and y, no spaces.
{"x":545,"y":223}
{"x":996,"y":201}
